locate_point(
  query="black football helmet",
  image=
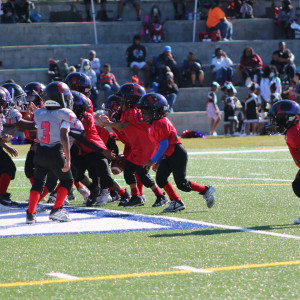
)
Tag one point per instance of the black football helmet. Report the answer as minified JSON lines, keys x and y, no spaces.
{"x":130,"y":94}
{"x":79,"y":82}
{"x":5,"y":100}
{"x":80,"y":104}
{"x":112,"y":107}
{"x":34,"y":91}
{"x":154,"y":105}
{"x":17,"y":94}
{"x":283,"y":115}
{"x":58,"y":95}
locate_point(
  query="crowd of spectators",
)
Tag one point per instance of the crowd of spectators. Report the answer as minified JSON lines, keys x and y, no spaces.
{"x":16,"y":11}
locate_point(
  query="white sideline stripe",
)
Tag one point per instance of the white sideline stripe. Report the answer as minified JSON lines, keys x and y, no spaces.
{"x":192,"y":269}
{"x":239,"y":151}
{"x":288,"y":236}
{"x":236,"y":178}
{"x":243,"y":159}
{"x":61,"y":275}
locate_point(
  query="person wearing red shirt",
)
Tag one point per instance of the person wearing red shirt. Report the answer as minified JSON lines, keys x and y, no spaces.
{"x":284,"y":117}
{"x":142,"y":148}
{"x":170,"y":156}
{"x":108,"y":81}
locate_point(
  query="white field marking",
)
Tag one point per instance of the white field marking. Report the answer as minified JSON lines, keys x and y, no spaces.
{"x":195,"y":270}
{"x":288,"y":236}
{"x":20,"y":169}
{"x":240,"y":151}
{"x":243,"y":159}
{"x":237,"y":178}
{"x":61,"y":275}
{"x":258,"y":174}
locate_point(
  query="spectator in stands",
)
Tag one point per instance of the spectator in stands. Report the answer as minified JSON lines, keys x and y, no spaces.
{"x":104,"y":16}
{"x":221,"y":66}
{"x":270,"y":76}
{"x":136,"y":59}
{"x":192,"y":68}
{"x":9,"y":12}
{"x":283,"y":60}
{"x":135,"y":79}
{"x":169,"y":89}
{"x":156,"y":30}
{"x":295,"y":92}
{"x":136,"y":4}
{"x":178,"y":15}
{"x":72,"y":69}
{"x":164,"y":60}
{"x":212,"y":109}
{"x":285,"y":18}
{"x":251,"y":66}
{"x":86,"y":68}
{"x":108,"y":81}
{"x":216,"y":19}
{"x":23,"y":11}
{"x":95,"y":63}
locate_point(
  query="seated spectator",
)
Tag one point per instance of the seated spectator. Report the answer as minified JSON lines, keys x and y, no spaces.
{"x":156,"y":30}
{"x":192,"y":68}
{"x":212,"y":109}
{"x":164,"y":60}
{"x":72,"y":69}
{"x":269,"y":77}
{"x":136,"y":4}
{"x":23,"y":11}
{"x":169,"y":89}
{"x":108,"y":81}
{"x":104,"y":16}
{"x":9,"y":12}
{"x":135,"y":79}
{"x":95,"y":63}
{"x":285,"y":18}
{"x":216,"y":19}
{"x":283,"y":60}
{"x":241,"y":9}
{"x":136,"y":58}
{"x":221,"y":65}
{"x":295,"y":92}
{"x":86,"y":68}
{"x":251,"y":66}
{"x":179,"y":15}
{"x":274,"y":96}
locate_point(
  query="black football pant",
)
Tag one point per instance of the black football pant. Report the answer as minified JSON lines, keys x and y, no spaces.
{"x":7,"y":166}
{"x":296,"y":185}
{"x":176,"y":164}
{"x":131,"y":168}
{"x":50,"y":159}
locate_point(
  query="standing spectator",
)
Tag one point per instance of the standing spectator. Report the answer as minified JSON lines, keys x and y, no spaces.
{"x":212,"y":109}
{"x":108,"y":81}
{"x":283,"y":60}
{"x":136,"y":58}
{"x":95,"y":63}
{"x":23,"y":11}
{"x":251,"y":66}
{"x":221,"y":65}
{"x":104,"y":16}
{"x":9,"y":12}
{"x":136,"y":4}
{"x":274,"y":95}
{"x":285,"y":18}
{"x":296,"y":91}
{"x":156,"y":26}
{"x":179,"y":16}
{"x":269,"y":77}
{"x":216,"y":19}
{"x":164,"y":60}
{"x":169,"y":89}
{"x":192,"y":68}
{"x":86,"y":68}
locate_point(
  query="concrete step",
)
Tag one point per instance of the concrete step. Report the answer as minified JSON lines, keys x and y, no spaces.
{"x":23,"y":57}
{"x":122,"y":32}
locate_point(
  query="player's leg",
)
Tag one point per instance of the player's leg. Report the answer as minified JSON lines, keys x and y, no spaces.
{"x":296,"y":189}
{"x":29,"y":164}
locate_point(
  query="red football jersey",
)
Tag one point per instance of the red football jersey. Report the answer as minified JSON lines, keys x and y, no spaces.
{"x":103,"y":133}
{"x":292,"y":138}
{"x":142,"y":149}
{"x":163,"y":129}
{"x":91,"y":109}
{"x":91,"y":134}
{"x":123,"y":138}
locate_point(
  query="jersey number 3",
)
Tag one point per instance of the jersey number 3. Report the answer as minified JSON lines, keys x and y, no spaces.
{"x":46,"y":136}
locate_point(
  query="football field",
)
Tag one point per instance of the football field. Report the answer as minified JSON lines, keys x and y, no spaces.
{"x":245,"y":247}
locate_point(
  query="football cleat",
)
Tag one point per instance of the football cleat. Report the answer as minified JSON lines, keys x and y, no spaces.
{"x":103,"y":198}
{"x":114,"y":196}
{"x":85,"y":193}
{"x":135,"y":201}
{"x":71,"y":195}
{"x":174,"y":206}
{"x":59,"y":214}
{"x":124,"y":199}
{"x":161,"y":200}
{"x":6,"y":201}
{"x":30,"y":218}
{"x":95,"y":190}
{"x":52,"y":197}
{"x":40,"y":208}
{"x":67,"y":202}
{"x":209,"y":196}
{"x":297,"y":221}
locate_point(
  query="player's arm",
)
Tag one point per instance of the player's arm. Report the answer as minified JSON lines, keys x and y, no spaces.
{"x":25,"y":125}
{"x":64,"y":137}
{"x":104,"y":121}
{"x":13,"y":152}
{"x":163,"y":146}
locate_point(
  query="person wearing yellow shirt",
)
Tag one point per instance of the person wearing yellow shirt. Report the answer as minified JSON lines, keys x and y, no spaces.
{"x":216,"y":19}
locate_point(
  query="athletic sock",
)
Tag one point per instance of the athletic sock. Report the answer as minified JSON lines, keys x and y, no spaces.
{"x":4,"y":183}
{"x":44,"y":193}
{"x":139,"y":184}
{"x":77,"y":184}
{"x":121,"y":192}
{"x":31,"y":180}
{"x":171,"y":192}
{"x":157,"y":191}
{"x":135,"y":191}
{"x":34,"y":198}
{"x":198,"y":187}
{"x":62,"y":193}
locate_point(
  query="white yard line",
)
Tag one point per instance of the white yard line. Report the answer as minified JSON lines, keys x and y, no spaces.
{"x":237,"y":178}
{"x":195,"y":270}
{"x":239,"y":151}
{"x":61,"y":275}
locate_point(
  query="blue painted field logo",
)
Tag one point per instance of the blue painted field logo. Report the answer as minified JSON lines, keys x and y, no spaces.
{"x":88,"y":221}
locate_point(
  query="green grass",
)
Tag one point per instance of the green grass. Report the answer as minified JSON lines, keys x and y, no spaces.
{"x":255,"y":204}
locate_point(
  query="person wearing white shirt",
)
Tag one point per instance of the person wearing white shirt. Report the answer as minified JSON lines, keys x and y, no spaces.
{"x":95,"y":62}
{"x":221,"y":66}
